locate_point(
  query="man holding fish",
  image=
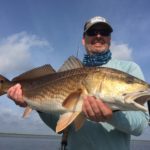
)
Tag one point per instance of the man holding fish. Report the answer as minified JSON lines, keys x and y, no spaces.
{"x":105,"y":128}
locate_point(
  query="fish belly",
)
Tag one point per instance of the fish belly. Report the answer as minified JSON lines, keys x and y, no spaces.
{"x":48,"y":106}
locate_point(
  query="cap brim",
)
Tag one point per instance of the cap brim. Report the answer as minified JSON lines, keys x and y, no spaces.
{"x":103,"y":25}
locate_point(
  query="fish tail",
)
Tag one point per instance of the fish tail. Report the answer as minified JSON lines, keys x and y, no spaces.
{"x":4,"y":85}
{"x":148,"y":103}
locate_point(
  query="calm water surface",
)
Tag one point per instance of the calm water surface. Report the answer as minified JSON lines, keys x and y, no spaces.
{"x":31,"y":142}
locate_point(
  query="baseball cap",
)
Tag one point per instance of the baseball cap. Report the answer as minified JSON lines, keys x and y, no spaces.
{"x":98,"y":20}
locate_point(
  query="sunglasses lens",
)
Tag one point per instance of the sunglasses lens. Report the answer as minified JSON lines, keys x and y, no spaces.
{"x":95,"y":32}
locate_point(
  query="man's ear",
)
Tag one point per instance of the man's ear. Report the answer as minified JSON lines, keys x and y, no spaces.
{"x":109,"y":40}
{"x":83,"y":41}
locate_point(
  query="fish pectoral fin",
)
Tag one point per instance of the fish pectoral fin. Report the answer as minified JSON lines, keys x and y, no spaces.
{"x":65,"y":120}
{"x":79,"y":121}
{"x":72,"y":100}
{"x":27,"y":112}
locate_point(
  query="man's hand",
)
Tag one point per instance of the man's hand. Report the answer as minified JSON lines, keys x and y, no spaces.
{"x":15,"y":93}
{"x":96,"y":110}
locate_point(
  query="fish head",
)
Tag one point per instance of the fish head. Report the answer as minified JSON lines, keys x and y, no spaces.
{"x":137,"y":92}
{"x":120,"y":84}
{"x":123,"y":91}
{"x":134,"y":93}
{"x":136,"y":100}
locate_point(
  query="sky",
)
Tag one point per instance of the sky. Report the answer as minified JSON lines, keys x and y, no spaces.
{"x":38,"y":32}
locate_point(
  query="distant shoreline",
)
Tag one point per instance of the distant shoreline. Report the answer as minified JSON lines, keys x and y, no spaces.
{"x":30,"y":135}
{"x":42,"y":136}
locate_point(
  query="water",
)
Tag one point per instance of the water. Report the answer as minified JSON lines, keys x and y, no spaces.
{"x":140,"y":145}
{"x":29,"y":142}
{"x":39,"y":142}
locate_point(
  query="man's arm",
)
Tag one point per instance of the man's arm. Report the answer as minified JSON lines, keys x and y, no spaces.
{"x":130,"y":122}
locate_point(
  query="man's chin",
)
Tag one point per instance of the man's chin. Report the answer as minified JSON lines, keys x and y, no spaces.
{"x":98,"y":50}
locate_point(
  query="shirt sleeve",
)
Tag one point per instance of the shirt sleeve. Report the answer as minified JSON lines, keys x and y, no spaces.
{"x":136,"y":71}
{"x":131,"y":122}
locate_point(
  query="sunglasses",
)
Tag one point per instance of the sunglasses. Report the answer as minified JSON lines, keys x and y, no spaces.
{"x":94,"y":32}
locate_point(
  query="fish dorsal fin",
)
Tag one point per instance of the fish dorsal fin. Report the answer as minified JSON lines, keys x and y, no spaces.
{"x":71,"y":63}
{"x":36,"y":73}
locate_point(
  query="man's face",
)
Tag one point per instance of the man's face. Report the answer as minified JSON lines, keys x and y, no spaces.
{"x":96,"y":40}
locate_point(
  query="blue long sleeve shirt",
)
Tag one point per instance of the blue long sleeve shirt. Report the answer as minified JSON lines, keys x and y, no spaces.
{"x":114,"y":134}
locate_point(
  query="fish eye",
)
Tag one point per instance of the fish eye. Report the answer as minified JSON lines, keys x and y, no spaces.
{"x":1,"y":81}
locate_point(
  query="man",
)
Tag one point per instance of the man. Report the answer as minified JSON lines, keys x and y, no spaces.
{"x":103,"y":129}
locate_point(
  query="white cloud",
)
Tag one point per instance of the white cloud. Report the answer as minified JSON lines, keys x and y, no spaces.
{"x":15,"y":50}
{"x":121,"y":51}
{"x":12,"y":121}
{"x":16,"y":54}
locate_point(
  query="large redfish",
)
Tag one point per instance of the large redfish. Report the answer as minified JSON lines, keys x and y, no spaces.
{"x":62,"y":92}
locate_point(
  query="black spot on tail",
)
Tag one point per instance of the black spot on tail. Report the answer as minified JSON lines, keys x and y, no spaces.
{"x":148,"y":103}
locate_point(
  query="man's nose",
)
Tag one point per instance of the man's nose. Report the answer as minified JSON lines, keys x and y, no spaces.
{"x":98,"y":35}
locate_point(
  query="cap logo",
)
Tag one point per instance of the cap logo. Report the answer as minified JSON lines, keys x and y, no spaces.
{"x":97,"y":19}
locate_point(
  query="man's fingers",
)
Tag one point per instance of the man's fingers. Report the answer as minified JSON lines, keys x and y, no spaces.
{"x":18,"y":93}
{"x":96,"y":110}
{"x":88,"y":109}
{"x":105,"y":110}
{"x":10,"y":92}
{"x":15,"y":93}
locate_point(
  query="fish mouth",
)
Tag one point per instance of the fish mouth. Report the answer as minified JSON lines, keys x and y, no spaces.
{"x":138,"y":99}
{"x":142,"y":99}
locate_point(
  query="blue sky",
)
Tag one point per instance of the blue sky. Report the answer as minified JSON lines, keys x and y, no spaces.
{"x":36,"y":32}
